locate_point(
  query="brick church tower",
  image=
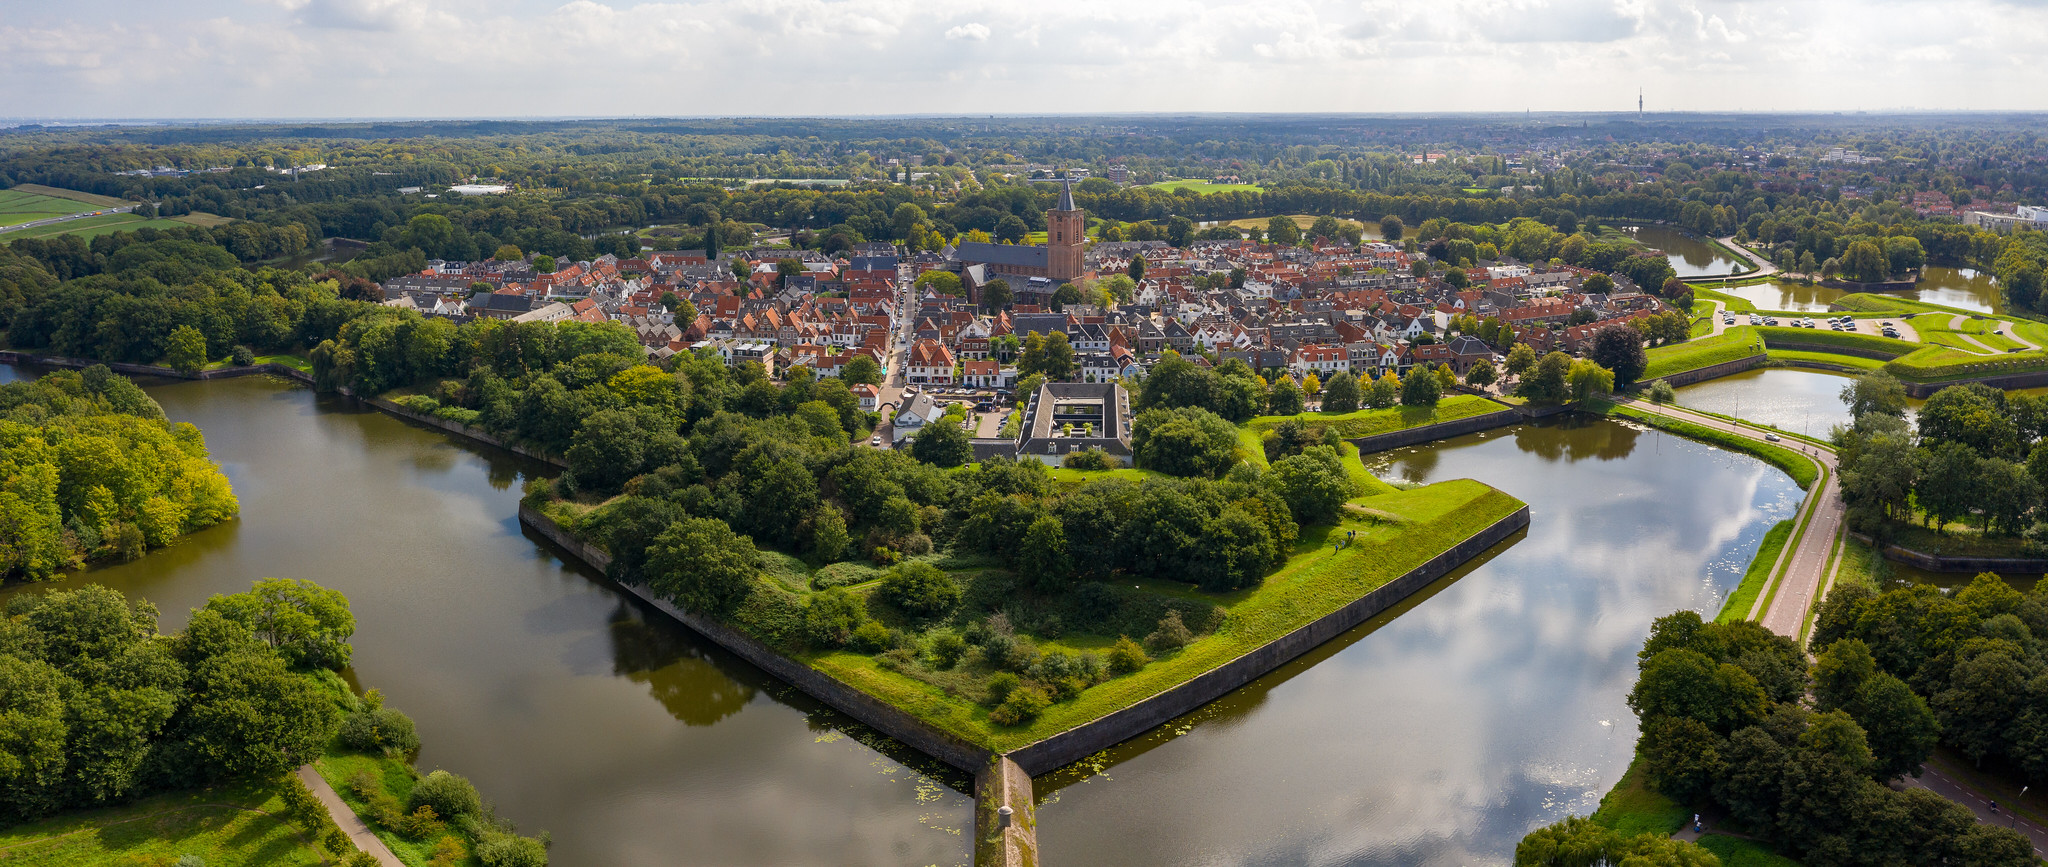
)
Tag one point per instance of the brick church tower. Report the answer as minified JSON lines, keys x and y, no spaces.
{"x":1066,"y":230}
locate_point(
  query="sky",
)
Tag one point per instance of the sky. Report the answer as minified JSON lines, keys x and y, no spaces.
{"x":546,"y":58}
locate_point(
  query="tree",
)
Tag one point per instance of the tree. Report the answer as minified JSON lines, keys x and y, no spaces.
{"x":1589,"y":380}
{"x":905,"y":220}
{"x":829,"y":539}
{"x":1283,"y":231}
{"x":920,"y":589}
{"x":1520,"y":359}
{"x":1340,"y":394}
{"x":1950,"y":486}
{"x":1313,"y":483}
{"x":1383,"y":392}
{"x":1042,"y":555}
{"x":1549,"y":381}
{"x":544,"y":263}
{"x":1901,"y":729}
{"x":508,"y":253}
{"x":942,"y":282}
{"x":942,"y":443}
{"x":185,"y":350}
{"x":862,"y":369}
{"x":712,"y":248}
{"x":1136,"y":271}
{"x":1876,"y":391}
{"x":309,"y":625}
{"x":703,"y":566}
{"x":1865,"y":262}
{"x":1390,"y":227}
{"x":607,"y":450}
{"x":1973,"y":415}
{"x":1481,"y":375}
{"x":2009,"y":494}
{"x":1187,"y":441}
{"x":1681,"y":756}
{"x":1688,"y":684}
{"x":1049,"y":355}
{"x":1066,"y":294}
{"x":1597,"y":284}
{"x":1421,"y":388}
{"x":1312,"y":385}
{"x":996,"y":295}
{"x":1284,"y":397}
{"x":1619,"y":348}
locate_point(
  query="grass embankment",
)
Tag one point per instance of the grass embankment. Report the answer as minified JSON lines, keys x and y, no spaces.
{"x":1803,"y":358}
{"x":1632,"y":807}
{"x":239,"y":825}
{"x":93,"y":227}
{"x":1205,"y":187}
{"x":1397,"y":532}
{"x":1739,"y":852}
{"x":1735,"y":343}
{"x":1368,"y":422}
{"x":1735,"y":303}
{"x":1759,"y":573}
{"x":1849,"y":340}
{"x":1801,"y":468}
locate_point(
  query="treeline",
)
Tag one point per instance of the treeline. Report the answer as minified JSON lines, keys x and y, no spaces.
{"x":90,"y":469}
{"x":102,"y":709}
{"x":1725,"y":726}
{"x":1973,"y":457}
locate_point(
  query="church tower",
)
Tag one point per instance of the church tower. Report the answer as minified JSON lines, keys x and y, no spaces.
{"x":1066,"y":230}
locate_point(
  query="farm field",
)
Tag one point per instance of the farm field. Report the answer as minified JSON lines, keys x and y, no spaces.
{"x":1206,"y":187}
{"x":18,"y":207}
{"x":93,"y":227}
{"x":73,"y":195}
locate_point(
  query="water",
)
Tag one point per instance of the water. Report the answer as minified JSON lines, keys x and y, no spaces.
{"x":1494,"y":703}
{"x":1790,"y":399}
{"x":573,"y":708}
{"x":1960,"y":288}
{"x":1690,"y":256}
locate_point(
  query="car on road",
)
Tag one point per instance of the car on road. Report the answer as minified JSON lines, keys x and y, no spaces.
{"x":1771,"y":437}
{"x":875,"y":440}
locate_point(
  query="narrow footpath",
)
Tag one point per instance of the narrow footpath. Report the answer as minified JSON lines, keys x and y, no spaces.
{"x":350,"y":824}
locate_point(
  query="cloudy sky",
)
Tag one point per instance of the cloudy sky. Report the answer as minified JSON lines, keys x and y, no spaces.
{"x":495,"y":58}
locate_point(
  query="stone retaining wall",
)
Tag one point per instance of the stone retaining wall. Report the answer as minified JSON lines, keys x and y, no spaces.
{"x":1711,"y":371}
{"x":2030,"y":379}
{"x":1938,"y":563}
{"x":1078,"y":743}
{"x":1830,"y":349}
{"x":1443,"y":430}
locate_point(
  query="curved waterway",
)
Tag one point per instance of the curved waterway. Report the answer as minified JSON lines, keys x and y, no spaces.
{"x":1790,"y":399}
{"x":575,"y":710}
{"x":1961,"y":288}
{"x":1491,"y":703}
{"x":1690,"y":255}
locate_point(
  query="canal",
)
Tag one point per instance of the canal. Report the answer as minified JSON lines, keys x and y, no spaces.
{"x":1690,"y":255}
{"x":1790,"y":399}
{"x":1493,"y":702}
{"x":1439,"y":733}
{"x":1961,"y":288}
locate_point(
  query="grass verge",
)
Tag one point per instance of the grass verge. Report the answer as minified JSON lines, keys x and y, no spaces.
{"x":1744,"y":598}
{"x":1632,"y":807}
{"x":1368,"y":422}
{"x":1739,"y":852}
{"x":1824,"y":360}
{"x":1735,"y":343}
{"x":238,"y":825}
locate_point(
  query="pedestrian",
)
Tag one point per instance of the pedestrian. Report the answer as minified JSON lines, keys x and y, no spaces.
{"x":1696,"y":828}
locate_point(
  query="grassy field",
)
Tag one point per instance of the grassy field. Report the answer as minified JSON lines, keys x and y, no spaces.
{"x":228,"y":826}
{"x":1737,"y":342}
{"x":1738,"y":852}
{"x":1401,"y":531}
{"x":1844,"y":339}
{"x":1205,"y":187}
{"x":18,"y":207}
{"x":1367,"y":422}
{"x":1744,"y":598}
{"x":95,"y":200}
{"x":1795,"y":356}
{"x":1632,"y":807}
{"x":93,"y":227}
{"x":202,"y":219}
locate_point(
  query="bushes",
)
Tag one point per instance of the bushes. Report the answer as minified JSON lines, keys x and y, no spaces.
{"x":1171,"y":635}
{"x":1088,"y":459}
{"x":1023,"y":705}
{"x":1126,"y":656}
{"x":832,"y":617}
{"x":920,"y":589}
{"x":376,"y":730}
{"x":447,"y":794}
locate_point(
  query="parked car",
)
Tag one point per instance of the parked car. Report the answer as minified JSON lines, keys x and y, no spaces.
{"x":875,"y":440}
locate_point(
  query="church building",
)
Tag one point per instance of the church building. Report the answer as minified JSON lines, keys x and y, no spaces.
{"x":1032,"y":271}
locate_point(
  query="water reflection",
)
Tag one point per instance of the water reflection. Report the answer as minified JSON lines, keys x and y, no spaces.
{"x":1492,"y":703}
{"x":1790,"y":399}
{"x":1690,"y":256}
{"x":1961,"y":288}
{"x":574,"y":708}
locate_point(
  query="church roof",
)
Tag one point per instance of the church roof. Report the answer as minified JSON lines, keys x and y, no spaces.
{"x":1012,"y":255}
{"x":1066,"y":195}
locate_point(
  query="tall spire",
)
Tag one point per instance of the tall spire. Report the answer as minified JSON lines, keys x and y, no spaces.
{"x":1066,"y":194}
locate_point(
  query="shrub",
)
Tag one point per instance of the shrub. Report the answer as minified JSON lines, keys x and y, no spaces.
{"x":1023,"y":705}
{"x":1126,"y":656}
{"x":920,"y":589}
{"x":833,"y":616}
{"x":871,"y":637}
{"x":1088,"y":459}
{"x":1662,"y":392}
{"x":449,"y":852}
{"x":1001,"y":685}
{"x":1089,"y":668}
{"x":450,"y":795}
{"x":1054,"y":665}
{"x":420,"y":824}
{"x":1172,"y":634}
{"x":511,"y":850}
{"x":946,"y":648}
{"x":242,"y":356}
{"x":359,"y":859}
{"x":381,"y":730}
{"x":843,"y":575}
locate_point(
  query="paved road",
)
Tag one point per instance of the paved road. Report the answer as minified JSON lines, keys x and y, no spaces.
{"x":350,"y":824}
{"x":1764,"y":268}
{"x":1946,"y":786}
{"x":1803,"y":572}
{"x":68,"y":218}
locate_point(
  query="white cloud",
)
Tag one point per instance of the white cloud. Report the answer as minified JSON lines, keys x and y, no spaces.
{"x":972,"y":30}
{"x":594,"y":57}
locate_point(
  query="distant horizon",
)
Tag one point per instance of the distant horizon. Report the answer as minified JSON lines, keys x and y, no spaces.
{"x":172,"y":120}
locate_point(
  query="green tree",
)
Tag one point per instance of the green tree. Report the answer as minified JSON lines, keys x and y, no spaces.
{"x":1066,"y":294}
{"x":1284,"y":397}
{"x":1187,"y":441}
{"x":508,"y":253}
{"x":1588,"y":380}
{"x":1136,"y":270}
{"x":1876,"y":391}
{"x":544,"y":263}
{"x":1313,"y":483}
{"x":1340,"y":394}
{"x":1520,"y":359}
{"x":1042,"y":556}
{"x":1951,"y":484}
{"x":1902,"y":730}
{"x":1619,"y":348}
{"x":920,"y":589}
{"x":1283,"y":231}
{"x":862,"y":369}
{"x":1048,"y":355}
{"x":607,"y":450}
{"x":1973,"y":415}
{"x":996,"y":295}
{"x":1421,"y":388}
{"x":1482,"y":374}
{"x":829,"y":539}
{"x":941,"y":282}
{"x":1390,"y":227}
{"x":1689,"y":685}
{"x":1383,"y":392}
{"x":185,"y":350}
{"x":1865,"y":262}
{"x":942,"y":443}
{"x":703,"y":566}
{"x":308,"y":624}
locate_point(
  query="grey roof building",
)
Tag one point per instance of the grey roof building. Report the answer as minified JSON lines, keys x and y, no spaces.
{"x":1066,"y":417}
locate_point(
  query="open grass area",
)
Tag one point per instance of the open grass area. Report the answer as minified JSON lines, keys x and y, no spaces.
{"x":1735,"y":343}
{"x":1798,"y":466}
{"x":1941,"y":363}
{"x":1206,"y":187}
{"x":1876,"y":302}
{"x":1736,"y":303}
{"x":1956,"y":540}
{"x":18,"y":207}
{"x":1072,"y":476}
{"x":93,"y":199}
{"x":1759,"y":573}
{"x":1367,"y":422}
{"x":202,"y":219}
{"x":240,"y":825}
{"x":1740,"y":852}
{"x":1632,"y":807}
{"x":1397,"y":532}
{"x":1853,"y":340}
{"x":93,"y":227}
{"x":1798,"y":357}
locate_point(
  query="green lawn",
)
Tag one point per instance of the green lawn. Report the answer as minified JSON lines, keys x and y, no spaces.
{"x":93,"y":227}
{"x":1736,"y":303}
{"x":228,"y":826}
{"x":1759,"y":573}
{"x":1795,"y":356}
{"x":1367,"y":422}
{"x":1734,"y":343}
{"x":17,"y":207}
{"x":1886,"y":346}
{"x":1403,"y":530}
{"x":1075,"y":477}
{"x":1205,"y":187}
{"x":1739,"y":852}
{"x":1632,"y":807}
